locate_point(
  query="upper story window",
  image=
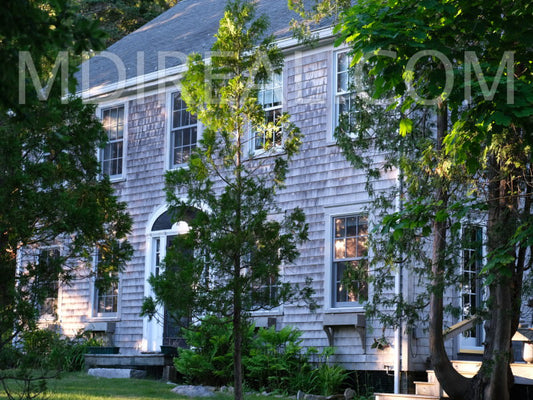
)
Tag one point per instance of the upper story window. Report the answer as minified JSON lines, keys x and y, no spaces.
{"x":270,"y":96}
{"x":112,"y":155}
{"x":342,"y":86}
{"x":350,"y":260}
{"x":183,"y":133}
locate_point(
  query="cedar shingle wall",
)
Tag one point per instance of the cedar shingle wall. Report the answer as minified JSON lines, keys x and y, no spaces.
{"x":143,"y":191}
{"x":319,"y":176}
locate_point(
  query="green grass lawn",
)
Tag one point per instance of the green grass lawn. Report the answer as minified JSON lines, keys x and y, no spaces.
{"x":80,"y":386}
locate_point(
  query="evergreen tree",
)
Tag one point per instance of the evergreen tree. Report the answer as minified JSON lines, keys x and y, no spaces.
{"x":228,"y":264}
{"x":50,"y":186}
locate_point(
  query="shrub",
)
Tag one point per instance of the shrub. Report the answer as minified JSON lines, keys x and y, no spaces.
{"x":272,"y":360}
{"x":40,"y":355}
{"x":9,"y":357}
{"x":72,"y":354}
{"x":48,"y":350}
{"x":328,"y":378}
{"x":275,"y":359}
{"x":209,"y":360}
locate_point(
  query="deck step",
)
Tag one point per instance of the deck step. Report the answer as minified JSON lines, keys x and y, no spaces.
{"x":466,"y":368}
{"x":430,"y":390}
{"x":427,"y":388}
{"x":431,"y":376}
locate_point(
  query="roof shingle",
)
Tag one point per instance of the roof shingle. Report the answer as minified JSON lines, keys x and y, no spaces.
{"x":187,"y":27}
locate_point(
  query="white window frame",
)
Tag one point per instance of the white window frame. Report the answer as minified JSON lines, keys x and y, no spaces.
{"x":124,"y":140}
{"x":274,"y":311}
{"x":46,"y":317}
{"x":153,"y":330}
{"x":273,"y":85}
{"x":330,"y":213}
{"x":337,"y":95}
{"x":466,"y":344}
{"x":114,"y":315}
{"x":171,"y":130}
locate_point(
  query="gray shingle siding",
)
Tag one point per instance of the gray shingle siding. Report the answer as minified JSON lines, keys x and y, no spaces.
{"x":143,"y":192}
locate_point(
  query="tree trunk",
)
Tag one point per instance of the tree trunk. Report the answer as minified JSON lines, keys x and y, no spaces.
{"x":237,"y":278}
{"x":8,"y":269}
{"x":237,"y":356}
{"x":455,"y":385}
{"x":495,"y":373}
{"x":237,"y":330}
{"x":494,"y":379}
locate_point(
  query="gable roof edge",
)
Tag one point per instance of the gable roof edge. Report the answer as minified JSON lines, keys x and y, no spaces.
{"x":146,"y":81}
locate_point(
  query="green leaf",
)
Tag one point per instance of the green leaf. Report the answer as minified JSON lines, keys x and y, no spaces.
{"x":441,"y":215}
{"x":398,"y":234}
{"x":406,"y":126}
{"x":501,"y":119}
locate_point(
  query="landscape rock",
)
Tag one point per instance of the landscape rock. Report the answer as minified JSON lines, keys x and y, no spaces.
{"x":194,"y":391}
{"x":349,"y":394}
{"x":226,"y":389}
{"x":116,"y":373}
{"x":313,"y":397}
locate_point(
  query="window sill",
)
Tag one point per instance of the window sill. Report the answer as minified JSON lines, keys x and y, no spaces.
{"x":104,"y":318}
{"x":345,"y":310}
{"x":273,"y":152}
{"x":117,"y":179}
{"x":344,"y":318}
{"x":473,"y":350}
{"x":276,"y":312}
{"x":177,"y":167}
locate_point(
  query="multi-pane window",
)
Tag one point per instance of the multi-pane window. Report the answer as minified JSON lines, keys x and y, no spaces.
{"x":183,"y":134}
{"x":343,"y":81}
{"x":48,"y":260}
{"x":471,"y":287}
{"x":112,"y":155}
{"x":350,"y":259}
{"x":107,"y":299}
{"x":265,"y":295}
{"x":270,"y":97}
{"x":105,"y":295}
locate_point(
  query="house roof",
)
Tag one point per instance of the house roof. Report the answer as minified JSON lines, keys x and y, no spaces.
{"x":187,"y":27}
